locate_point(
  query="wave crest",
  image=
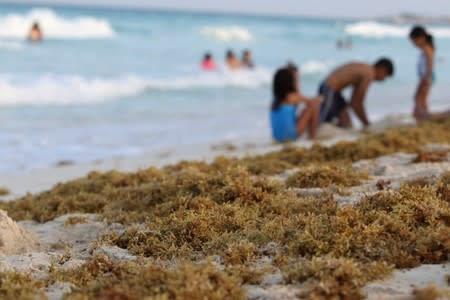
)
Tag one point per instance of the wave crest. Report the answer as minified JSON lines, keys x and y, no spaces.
{"x":75,"y":90}
{"x":228,"y":34}
{"x":315,"y":67}
{"x":382,"y":30}
{"x":78,"y":90}
{"x":16,"y":26}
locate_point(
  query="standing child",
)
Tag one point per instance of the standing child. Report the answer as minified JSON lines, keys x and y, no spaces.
{"x":424,"y":41}
{"x":287,"y":125}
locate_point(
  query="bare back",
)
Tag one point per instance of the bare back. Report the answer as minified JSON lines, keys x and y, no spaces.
{"x":350,"y":75}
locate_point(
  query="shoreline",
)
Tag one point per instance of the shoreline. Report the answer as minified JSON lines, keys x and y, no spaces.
{"x":39,"y":180}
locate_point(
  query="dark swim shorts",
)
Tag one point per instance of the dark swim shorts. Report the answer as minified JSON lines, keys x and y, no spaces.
{"x":332,"y":105}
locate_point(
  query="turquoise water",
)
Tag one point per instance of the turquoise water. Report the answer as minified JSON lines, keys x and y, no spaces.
{"x":115,"y":83}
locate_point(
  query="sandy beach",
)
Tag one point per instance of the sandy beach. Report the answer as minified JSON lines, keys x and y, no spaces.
{"x":213,"y":230}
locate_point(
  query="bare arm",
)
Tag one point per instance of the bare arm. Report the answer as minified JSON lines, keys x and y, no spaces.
{"x":429,"y":55}
{"x":357,"y":101}
{"x":297,"y":98}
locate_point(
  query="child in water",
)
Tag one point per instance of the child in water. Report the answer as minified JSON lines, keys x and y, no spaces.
{"x":35,"y":34}
{"x":424,"y":41}
{"x":208,"y":63}
{"x":247,"y":59}
{"x":287,"y":125}
{"x":231,"y":60}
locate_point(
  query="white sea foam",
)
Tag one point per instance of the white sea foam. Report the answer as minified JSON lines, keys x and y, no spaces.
{"x":380,"y":30}
{"x":11,"y":45}
{"x":74,"y":89}
{"x":228,"y":34}
{"x":54,"y":26}
{"x":315,"y":67}
{"x":67,"y":90}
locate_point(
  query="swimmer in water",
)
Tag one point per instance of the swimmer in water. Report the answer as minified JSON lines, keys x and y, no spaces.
{"x":247,"y":59}
{"x":35,"y":34}
{"x":231,"y":61}
{"x":208,"y":63}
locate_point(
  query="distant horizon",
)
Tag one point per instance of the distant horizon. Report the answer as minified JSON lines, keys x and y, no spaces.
{"x":245,"y":12}
{"x":163,"y":9}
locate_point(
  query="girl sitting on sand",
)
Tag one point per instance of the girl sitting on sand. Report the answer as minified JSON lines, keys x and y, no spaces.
{"x":287,"y":125}
{"x":424,"y":41}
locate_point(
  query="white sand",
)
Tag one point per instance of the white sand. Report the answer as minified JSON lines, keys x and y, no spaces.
{"x":13,"y":238}
{"x":402,"y":283}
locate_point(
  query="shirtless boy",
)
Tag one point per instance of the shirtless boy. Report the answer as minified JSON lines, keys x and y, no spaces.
{"x":359,"y":76}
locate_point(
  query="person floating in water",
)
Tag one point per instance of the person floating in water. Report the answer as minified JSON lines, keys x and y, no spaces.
{"x":425,"y":42}
{"x":208,"y":63}
{"x":359,"y":76}
{"x":247,"y":59}
{"x":287,"y":125}
{"x":35,"y":34}
{"x":231,"y":61}
{"x":344,"y":44}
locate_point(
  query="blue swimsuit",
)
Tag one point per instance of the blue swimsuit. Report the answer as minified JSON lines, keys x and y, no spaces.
{"x":284,"y":123}
{"x":422,"y":68}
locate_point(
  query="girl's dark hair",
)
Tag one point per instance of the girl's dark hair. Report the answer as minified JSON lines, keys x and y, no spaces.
{"x":291,"y":66}
{"x":420,"y":31}
{"x":207,"y":56}
{"x":283,"y":85}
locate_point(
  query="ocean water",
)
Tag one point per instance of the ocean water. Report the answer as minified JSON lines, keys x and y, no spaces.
{"x":110,"y":83}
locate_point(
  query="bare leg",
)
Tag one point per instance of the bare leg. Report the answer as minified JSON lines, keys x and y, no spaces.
{"x":309,"y":119}
{"x":314,"y":122}
{"x":421,"y":110}
{"x":304,"y":120}
{"x":345,"y":121}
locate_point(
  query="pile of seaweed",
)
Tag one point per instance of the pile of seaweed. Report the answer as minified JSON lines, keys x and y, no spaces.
{"x":204,"y":231}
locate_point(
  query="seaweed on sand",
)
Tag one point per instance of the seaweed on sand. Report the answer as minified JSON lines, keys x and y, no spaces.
{"x":20,"y":286}
{"x":101,"y":278}
{"x":370,"y":146}
{"x":75,"y":220}
{"x":325,"y":175}
{"x":4,"y":192}
{"x":193,"y":210}
{"x":143,"y":190}
{"x":431,"y":156}
{"x":331,"y":278}
{"x":431,"y":292}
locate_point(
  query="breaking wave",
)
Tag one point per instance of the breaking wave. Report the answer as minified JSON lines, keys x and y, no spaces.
{"x":54,"y":26}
